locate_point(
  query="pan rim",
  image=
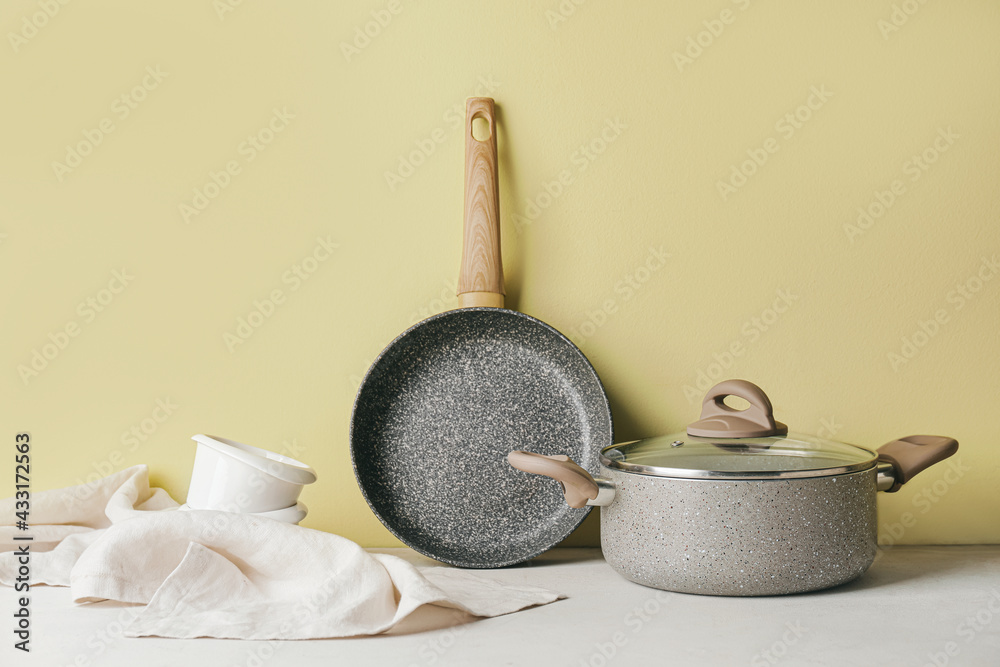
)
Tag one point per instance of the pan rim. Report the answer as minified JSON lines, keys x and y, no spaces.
{"x":392,"y":345}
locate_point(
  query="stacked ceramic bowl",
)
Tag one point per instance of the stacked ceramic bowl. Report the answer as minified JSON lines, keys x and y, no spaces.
{"x":233,"y":477}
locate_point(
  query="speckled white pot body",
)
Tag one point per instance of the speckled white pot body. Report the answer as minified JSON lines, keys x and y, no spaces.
{"x":714,"y":537}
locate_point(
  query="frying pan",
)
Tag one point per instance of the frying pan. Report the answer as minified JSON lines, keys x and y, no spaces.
{"x":447,"y":400}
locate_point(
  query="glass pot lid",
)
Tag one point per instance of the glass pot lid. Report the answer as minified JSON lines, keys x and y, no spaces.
{"x":727,"y":443}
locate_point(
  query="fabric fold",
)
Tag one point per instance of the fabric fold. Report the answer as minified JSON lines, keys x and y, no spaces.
{"x":239,"y":576}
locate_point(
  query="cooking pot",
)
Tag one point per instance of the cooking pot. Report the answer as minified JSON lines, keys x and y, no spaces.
{"x":736,"y":505}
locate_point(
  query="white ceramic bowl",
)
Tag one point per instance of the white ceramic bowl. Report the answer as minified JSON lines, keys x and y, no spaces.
{"x":235,"y":477}
{"x":292,"y":514}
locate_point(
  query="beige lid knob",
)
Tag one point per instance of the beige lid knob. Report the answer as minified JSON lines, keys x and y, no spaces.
{"x":718,"y":420}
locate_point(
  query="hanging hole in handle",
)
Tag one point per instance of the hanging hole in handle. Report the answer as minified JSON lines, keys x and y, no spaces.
{"x":734,"y":402}
{"x":480,"y":128}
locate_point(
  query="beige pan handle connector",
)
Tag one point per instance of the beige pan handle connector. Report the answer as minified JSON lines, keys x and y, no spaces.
{"x":480,"y":280}
{"x":913,"y":454}
{"x":578,"y":485}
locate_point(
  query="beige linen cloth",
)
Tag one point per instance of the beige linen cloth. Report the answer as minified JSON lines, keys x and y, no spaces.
{"x":219,"y":574}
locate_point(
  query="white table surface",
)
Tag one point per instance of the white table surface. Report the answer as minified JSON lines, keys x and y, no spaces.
{"x":912,"y":607}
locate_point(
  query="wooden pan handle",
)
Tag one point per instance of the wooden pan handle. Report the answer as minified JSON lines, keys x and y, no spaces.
{"x":480,"y":281}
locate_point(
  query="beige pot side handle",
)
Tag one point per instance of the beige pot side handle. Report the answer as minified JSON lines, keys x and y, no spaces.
{"x":718,"y":420}
{"x":480,"y":280}
{"x":913,"y":454}
{"x":577,"y":484}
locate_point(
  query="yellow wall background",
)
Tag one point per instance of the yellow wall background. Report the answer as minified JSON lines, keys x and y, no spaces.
{"x":663,"y":132}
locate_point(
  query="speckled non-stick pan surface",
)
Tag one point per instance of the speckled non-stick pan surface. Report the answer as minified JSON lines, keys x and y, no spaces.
{"x":438,"y":413}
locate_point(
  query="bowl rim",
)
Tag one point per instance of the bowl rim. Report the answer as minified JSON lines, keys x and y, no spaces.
{"x":276,"y":465}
